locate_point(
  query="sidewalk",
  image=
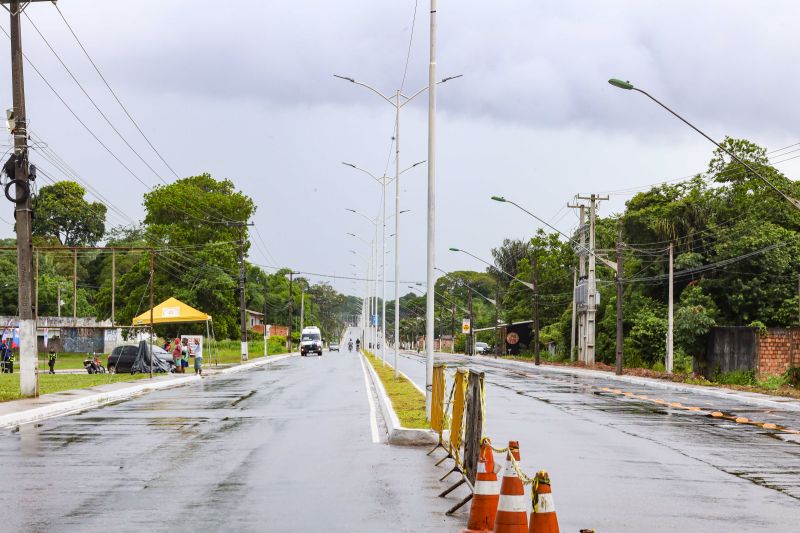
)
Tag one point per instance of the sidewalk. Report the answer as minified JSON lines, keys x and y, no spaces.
{"x":29,"y":410}
{"x":751,"y":398}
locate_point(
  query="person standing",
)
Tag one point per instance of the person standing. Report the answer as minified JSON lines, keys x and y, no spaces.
{"x":198,"y":357}
{"x":4,"y":357}
{"x":51,"y":361}
{"x":184,"y":357}
{"x":177,"y":357}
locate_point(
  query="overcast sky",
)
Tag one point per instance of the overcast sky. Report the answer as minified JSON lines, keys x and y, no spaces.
{"x":245,"y":90}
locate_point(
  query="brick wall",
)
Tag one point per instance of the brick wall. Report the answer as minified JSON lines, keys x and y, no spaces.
{"x":778,"y":349}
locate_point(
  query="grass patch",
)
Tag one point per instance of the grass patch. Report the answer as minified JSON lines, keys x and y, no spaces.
{"x":9,"y":383}
{"x":408,"y":402}
{"x":230,"y":351}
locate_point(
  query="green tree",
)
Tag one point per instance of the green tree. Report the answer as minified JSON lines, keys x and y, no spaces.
{"x":62,"y":212}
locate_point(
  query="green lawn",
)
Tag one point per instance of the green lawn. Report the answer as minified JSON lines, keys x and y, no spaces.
{"x":9,"y":383}
{"x":230,"y":351}
{"x":408,"y":402}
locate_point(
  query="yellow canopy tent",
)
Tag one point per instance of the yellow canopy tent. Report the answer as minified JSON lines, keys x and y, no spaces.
{"x":174,"y":311}
{"x":171,"y":311}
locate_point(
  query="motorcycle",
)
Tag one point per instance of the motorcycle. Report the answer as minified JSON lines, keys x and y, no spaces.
{"x":350,"y":346}
{"x":94,"y":366}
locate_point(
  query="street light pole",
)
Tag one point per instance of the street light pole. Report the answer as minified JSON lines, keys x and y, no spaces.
{"x":628,"y":86}
{"x":431,"y":252}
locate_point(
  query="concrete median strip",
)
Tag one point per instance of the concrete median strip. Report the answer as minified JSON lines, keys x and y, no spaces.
{"x":397,"y":434}
{"x":19,"y":412}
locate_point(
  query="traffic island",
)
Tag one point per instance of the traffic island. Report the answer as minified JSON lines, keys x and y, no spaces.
{"x":402,"y":405}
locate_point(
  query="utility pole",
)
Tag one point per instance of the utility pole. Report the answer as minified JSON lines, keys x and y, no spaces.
{"x":669,"y":317}
{"x":536,"y":352}
{"x":75,"y":285}
{"x":242,"y":281}
{"x":453,"y":325}
{"x":28,"y":350}
{"x":59,"y":299}
{"x":591,"y":309}
{"x":152,"y":303}
{"x":572,"y":331}
{"x":471,"y":350}
{"x":302,"y":308}
{"x":497,"y":335}
{"x":581,"y":305}
{"x":266,"y":353}
{"x":291,"y":297}
{"x":113,"y":284}
{"x":36,"y":288}
{"x":620,"y":339}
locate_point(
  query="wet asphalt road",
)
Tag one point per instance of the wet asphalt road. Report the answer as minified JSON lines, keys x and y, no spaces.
{"x":288,"y":447}
{"x":619,"y":464}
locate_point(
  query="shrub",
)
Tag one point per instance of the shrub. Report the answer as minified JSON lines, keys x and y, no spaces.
{"x":792,"y":376}
{"x":737,"y":377}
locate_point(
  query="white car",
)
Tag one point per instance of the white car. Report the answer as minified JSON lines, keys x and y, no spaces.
{"x":311,"y":341}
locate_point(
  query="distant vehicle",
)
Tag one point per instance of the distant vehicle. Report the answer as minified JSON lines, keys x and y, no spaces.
{"x":311,"y":341}
{"x":121,"y":358}
{"x":481,"y":348}
{"x":333,"y":347}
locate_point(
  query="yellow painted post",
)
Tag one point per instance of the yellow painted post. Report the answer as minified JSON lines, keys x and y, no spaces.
{"x":457,"y":421}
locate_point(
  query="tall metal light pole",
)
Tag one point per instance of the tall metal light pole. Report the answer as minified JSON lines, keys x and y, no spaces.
{"x":373,"y":221}
{"x":431,"y":252}
{"x":384,"y":181}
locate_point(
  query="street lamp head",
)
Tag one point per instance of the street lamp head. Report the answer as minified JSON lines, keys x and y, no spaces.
{"x":351,"y":80}
{"x":352,"y":234}
{"x":405,"y":211}
{"x":499,"y":199}
{"x":351,"y":210}
{"x":454,"y":250}
{"x":448,"y":78}
{"x":621,"y":84}
{"x":353,"y":252}
{"x":349,"y":164}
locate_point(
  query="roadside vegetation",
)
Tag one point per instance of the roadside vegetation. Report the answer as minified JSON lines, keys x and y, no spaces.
{"x":407,"y":401}
{"x":9,"y":383}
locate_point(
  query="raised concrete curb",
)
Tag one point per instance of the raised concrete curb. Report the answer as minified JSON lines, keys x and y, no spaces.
{"x":59,"y":408}
{"x":90,"y":401}
{"x":751,"y":398}
{"x":398,"y":435}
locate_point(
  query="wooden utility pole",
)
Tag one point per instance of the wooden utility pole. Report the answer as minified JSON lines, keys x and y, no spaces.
{"x":620,"y":339}
{"x":28,"y":350}
{"x":536,"y":350}
{"x":75,"y":284}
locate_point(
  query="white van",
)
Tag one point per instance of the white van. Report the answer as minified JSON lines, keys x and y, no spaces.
{"x":311,"y":341}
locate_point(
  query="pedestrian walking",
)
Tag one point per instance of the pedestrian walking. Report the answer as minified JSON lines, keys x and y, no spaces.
{"x":184,"y":358}
{"x":198,"y":357}
{"x":177,"y":356}
{"x":51,"y":361}
{"x":5,"y":357}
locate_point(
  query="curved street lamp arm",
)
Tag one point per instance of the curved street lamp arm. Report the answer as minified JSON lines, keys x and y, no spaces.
{"x":529,"y":285}
{"x":788,"y":198}
{"x":376,"y":91}
{"x":367,"y":172}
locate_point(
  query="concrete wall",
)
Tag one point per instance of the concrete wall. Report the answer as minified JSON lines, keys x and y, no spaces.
{"x":73,"y":335}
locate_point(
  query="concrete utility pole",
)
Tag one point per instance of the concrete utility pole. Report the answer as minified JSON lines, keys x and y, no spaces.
{"x":591,"y":308}
{"x":266,"y":352}
{"x":670,"y":297}
{"x":535,"y":305}
{"x":242,"y":309}
{"x":36,"y":288}
{"x":581,"y":253}
{"x":152,"y":303}
{"x":620,"y":339}
{"x":497,"y":332}
{"x":28,"y":350}
{"x":59,"y":299}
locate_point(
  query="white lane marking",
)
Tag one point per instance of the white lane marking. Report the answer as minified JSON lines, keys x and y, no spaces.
{"x":373,"y":422}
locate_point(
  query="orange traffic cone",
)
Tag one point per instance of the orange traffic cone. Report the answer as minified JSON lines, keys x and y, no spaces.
{"x":512,"y":514}
{"x":485,"y":495}
{"x":543,"y":514}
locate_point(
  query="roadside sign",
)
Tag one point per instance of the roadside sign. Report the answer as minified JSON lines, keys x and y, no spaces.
{"x":512,"y":338}
{"x":466,"y":326}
